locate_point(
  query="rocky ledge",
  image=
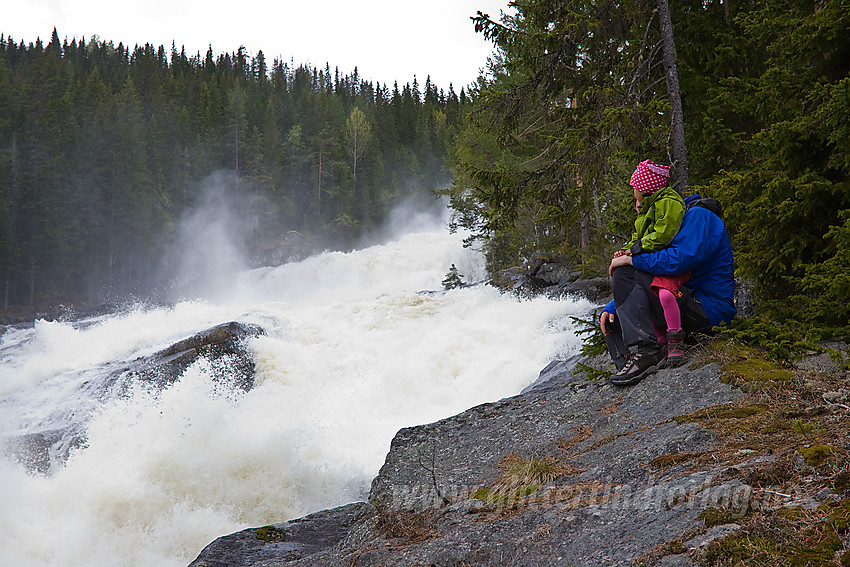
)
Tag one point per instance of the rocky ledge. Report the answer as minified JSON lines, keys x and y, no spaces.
{"x":577,"y":472}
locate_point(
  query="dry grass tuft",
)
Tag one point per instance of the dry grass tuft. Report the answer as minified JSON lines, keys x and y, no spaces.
{"x":786,"y":441}
{"x":789,"y":536}
{"x":519,"y":471}
{"x":520,"y":478}
{"x":671,"y":459}
{"x":412,"y":527}
{"x":580,"y":433}
{"x":612,"y":408}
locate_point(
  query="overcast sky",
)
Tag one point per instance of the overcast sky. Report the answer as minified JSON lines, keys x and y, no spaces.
{"x":387,"y":40}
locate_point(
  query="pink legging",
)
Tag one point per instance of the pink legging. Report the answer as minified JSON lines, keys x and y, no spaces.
{"x":671,"y":309}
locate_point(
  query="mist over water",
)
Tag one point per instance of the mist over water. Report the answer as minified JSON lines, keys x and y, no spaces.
{"x":357,"y":345}
{"x":211,"y":241}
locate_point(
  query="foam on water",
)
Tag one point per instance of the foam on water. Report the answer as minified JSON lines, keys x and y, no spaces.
{"x":352,"y":353}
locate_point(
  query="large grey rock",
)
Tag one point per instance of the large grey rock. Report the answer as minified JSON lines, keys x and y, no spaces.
{"x":38,"y":451}
{"x":223,"y":346}
{"x":465,"y":449}
{"x":830,"y":362}
{"x":553,"y":276}
{"x":512,"y":280}
{"x":745,"y":301}
{"x":280,"y":543}
{"x":593,"y":289}
{"x":545,"y":271}
{"x":278,"y":250}
{"x":611,"y":505}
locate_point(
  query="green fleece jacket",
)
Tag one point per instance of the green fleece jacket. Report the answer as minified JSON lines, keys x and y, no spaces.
{"x":658,"y":221}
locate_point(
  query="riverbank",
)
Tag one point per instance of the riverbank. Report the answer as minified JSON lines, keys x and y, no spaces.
{"x":688,"y":467}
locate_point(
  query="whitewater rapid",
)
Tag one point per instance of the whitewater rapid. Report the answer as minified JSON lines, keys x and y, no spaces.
{"x":357,"y":345}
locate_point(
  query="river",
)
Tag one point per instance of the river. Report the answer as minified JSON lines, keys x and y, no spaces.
{"x":356,"y":346}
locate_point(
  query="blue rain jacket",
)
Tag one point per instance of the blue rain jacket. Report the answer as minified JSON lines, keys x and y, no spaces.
{"x":703,"y":248}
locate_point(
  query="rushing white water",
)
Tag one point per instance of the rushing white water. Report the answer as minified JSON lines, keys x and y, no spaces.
{"x":352,"y":352}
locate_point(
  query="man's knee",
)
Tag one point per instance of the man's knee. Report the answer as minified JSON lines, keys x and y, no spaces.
{"x":622,"y":283}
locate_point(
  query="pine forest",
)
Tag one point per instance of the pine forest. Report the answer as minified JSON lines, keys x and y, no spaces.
{"x":579,"y":93}
{"x":102,"y":148}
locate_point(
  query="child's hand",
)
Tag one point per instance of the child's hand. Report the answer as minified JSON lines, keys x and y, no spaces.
{"x":619,"y":253}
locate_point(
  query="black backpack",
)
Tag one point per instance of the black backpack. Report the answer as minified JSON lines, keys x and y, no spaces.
{"x":709,"y":203}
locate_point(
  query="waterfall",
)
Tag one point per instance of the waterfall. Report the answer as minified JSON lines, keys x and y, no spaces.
{"x":356,"y":346}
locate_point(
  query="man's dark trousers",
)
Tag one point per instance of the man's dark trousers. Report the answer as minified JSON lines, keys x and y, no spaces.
{"x":637,"y":307}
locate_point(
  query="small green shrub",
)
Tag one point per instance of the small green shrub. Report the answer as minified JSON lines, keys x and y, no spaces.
{"x":594,"y":343}
{"x":797,"y":426}
{"x":453,"y":279}
{"x":780,"y":341}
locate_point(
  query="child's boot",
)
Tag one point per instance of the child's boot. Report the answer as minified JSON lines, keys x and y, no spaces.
{"x":675,"y":347}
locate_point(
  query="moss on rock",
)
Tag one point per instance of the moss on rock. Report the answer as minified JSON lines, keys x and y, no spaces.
{"x":270,"y":534}
{"x":758,"y":370}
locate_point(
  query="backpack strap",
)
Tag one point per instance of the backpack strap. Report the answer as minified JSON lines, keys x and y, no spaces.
{"x":709,"y":203}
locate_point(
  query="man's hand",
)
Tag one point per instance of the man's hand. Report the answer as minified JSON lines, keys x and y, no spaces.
{"x":624,"y":260}
{"x":604,"y":320}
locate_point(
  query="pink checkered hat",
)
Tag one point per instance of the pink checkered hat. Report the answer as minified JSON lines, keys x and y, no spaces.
{"x":650,"y":177}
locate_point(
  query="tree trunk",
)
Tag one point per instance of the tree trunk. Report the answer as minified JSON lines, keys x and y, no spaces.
{"x":677,"y":119}
{"x":584,"y":238}
{"x":236,"y":139}
{"x":319,"y":188}
{"x":354,"y":164}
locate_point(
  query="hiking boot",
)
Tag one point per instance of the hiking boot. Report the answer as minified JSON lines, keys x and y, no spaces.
{"x":638,"y":366}
{"x":675,"y":348}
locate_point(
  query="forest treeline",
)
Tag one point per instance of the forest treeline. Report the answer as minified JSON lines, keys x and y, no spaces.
{"x":576,"y":96}
{"x":103,"y":148}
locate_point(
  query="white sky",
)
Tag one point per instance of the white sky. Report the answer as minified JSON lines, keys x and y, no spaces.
{"x":387,"y":40}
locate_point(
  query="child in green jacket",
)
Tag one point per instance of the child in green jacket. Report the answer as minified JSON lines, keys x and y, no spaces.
{"x":660,"y":213}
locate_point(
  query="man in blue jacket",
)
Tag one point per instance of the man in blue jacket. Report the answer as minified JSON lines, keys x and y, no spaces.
{"x":702,"y":247}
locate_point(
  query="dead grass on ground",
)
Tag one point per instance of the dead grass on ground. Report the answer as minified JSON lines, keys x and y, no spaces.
{"x":791,"y":445}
